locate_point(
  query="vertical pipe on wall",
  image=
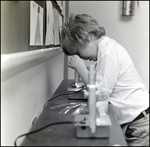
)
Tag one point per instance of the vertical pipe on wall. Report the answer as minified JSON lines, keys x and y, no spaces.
{"x":66,"y":57}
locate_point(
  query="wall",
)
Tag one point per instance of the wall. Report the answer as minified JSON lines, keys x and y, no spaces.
{"x":14,"y":26}
{"x":28,"y":78}
{"x":24,"y":94}
{"x":130,"y":31}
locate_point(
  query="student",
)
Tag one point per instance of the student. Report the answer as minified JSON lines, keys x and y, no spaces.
{"x":84,"y":39}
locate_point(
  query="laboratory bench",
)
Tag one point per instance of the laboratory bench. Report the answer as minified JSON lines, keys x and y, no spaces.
{"x":65,"y":134}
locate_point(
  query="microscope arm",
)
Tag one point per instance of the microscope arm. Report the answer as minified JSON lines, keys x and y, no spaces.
{"x":92,"y":108}
{"x":91,"y":94}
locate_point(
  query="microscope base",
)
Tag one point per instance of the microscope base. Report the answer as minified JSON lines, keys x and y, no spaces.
{"x":83,"y":129}
{"x":85,"y":132}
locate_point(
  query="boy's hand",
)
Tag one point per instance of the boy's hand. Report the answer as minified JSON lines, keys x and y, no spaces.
{"x":76,"y":62}
{"x":79,"y":65}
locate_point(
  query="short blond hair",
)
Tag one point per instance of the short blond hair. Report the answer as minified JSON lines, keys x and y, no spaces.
{"x":76,"y":32}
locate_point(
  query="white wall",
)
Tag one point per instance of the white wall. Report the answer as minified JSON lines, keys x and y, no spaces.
{"x":130,"y":31}
{"x":24,"y":94}
{"x":29,"y":74}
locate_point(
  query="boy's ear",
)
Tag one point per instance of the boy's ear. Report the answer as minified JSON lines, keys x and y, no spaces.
{"x":66,"y":52}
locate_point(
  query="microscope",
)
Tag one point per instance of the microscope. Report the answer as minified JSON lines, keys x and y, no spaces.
{"x":77,"y":85}
{"x":93,"y":124}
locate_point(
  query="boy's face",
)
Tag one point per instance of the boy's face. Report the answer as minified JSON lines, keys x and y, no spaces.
{"x":89,"y":52}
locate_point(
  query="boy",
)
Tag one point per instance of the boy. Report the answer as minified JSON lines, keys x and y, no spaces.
{"x":84,"y":39}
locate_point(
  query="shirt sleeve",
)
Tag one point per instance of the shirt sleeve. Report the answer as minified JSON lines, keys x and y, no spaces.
{"x":107,"y":73}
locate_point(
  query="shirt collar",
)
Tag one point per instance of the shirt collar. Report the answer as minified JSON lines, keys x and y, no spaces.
{"x":103,"y":41}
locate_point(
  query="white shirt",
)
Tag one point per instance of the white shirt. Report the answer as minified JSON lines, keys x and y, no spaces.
{"x":116,"y":73}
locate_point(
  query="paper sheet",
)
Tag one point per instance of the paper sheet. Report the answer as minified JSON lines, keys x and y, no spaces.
{"x":36,"y":24}
{"x":56,"y":27}
{"x":49,"y":23}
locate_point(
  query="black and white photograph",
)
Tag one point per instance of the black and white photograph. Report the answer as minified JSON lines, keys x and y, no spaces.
{"x":75,"y":73}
